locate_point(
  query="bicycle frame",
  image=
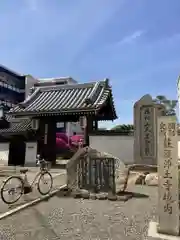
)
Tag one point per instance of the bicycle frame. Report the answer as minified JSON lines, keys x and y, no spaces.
{"x":25,"y":179}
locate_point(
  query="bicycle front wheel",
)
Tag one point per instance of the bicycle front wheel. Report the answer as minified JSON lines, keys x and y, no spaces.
{"x":45,"y":183}
{"x":12,"y":189}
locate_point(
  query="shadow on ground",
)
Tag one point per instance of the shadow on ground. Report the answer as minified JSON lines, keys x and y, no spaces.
{"x":65,"y":193}
{"x":139,"y":195}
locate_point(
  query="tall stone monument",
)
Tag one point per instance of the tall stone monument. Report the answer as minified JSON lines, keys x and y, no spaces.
{"x":168,"y":175}
{"x":168,"y":224}
{"x":145,"y":133}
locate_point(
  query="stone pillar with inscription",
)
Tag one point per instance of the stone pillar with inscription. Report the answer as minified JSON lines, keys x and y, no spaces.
{"x":145,"y":130}
{"x":167,"y":142}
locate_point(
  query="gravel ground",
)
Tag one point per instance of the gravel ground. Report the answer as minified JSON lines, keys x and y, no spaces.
{"x":67,"y":218}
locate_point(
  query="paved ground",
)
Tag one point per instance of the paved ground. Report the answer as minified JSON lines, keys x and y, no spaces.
{"x":66,"y":218}
{"x":59,"y":179}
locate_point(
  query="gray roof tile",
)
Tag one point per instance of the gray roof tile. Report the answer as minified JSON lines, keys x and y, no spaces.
{"x":15,"y":128}
{"x":67,"y":99}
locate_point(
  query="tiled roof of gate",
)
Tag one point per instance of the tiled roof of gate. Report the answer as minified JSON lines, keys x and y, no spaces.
{"x":20,"y":127}
{"x":67,"y":99}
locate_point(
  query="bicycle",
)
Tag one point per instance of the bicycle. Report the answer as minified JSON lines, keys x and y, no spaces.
{"x":23,"y":186}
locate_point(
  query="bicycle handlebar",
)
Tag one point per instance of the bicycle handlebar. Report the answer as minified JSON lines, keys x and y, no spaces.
{"x":42,"y":161}
{"x":44,"y":164}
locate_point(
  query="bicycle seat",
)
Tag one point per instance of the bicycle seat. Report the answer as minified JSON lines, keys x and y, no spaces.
{"x":24,"y":170}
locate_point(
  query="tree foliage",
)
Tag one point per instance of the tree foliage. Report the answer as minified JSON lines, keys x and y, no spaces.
{"x":170,"y":105}
{"x":124,"y":128}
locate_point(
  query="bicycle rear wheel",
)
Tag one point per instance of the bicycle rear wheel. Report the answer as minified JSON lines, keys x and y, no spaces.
{"x":45,"y":183}
{"x":12,"y":189}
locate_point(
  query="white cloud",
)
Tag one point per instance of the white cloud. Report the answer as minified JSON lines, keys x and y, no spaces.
{"x":132,"y":37}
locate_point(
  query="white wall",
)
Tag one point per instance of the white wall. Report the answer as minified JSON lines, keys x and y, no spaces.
{"x":118,"y":146}
{"x":31,"y":153}
{"x":4,"y":153}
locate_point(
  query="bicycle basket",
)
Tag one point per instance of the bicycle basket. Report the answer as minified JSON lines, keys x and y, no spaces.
{"x":45,"y":165}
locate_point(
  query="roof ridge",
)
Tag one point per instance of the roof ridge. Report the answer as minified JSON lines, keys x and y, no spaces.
{"x":91,"y":97}
{"x":70,"y":86}
{"x":29,"y":98}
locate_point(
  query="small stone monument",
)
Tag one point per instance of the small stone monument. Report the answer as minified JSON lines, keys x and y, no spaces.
{"x":145,"y":132}
{"x":96,"y":172}
{"x":168,"y":206}
{"x":121,"y":175}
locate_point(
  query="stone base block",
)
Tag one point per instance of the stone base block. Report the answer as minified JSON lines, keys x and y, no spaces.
{"x":154,"y":235}
{"x":92,"y":196}
{"x":112,"y":197}
{"x":80,"y":193}
{"x":85,"y":194}
{"x":101,"y":196}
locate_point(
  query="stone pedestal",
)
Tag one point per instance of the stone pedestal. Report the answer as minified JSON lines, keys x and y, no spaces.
{"x":153,"y":233}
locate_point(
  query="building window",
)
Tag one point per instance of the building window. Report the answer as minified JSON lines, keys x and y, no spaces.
{"x":8,"y":86}
{"x":60,"y":124}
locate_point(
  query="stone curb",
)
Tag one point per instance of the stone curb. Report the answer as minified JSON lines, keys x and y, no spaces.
{"x":31,"y":203}
{"x":10,"y":173}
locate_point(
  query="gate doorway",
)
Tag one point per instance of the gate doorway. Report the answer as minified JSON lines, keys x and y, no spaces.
{"x":17,"y":148}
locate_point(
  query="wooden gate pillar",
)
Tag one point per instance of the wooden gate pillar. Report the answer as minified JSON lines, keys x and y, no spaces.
{"x":88,"y":128}
{"x":47,"y":142}
{"x":95,"y":125}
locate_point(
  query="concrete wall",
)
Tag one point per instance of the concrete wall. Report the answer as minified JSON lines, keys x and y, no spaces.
{"x":119,"y":146}
{"x":29,"y":83}
{"x":31,"y":154}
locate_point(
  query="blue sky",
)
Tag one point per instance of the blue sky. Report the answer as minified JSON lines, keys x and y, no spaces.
{"x":135,"y":43}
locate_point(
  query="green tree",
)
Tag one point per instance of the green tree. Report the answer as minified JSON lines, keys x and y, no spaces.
{"x":170,"y":105}
{"x":123,"y":128}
